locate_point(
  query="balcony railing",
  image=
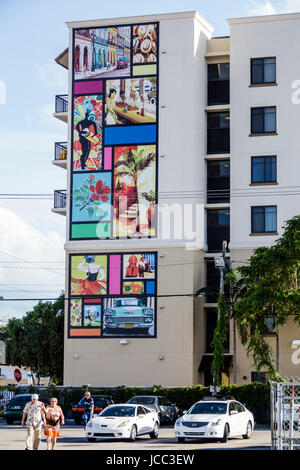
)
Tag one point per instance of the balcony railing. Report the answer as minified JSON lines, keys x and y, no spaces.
{"x":61,"y":103}
{"x":218,"y":92}
{"x":60,"y":150}
{"x":218,"y":189}
{"x":60,"y":198}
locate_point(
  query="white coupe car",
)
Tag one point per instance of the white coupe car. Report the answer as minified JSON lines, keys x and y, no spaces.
{"x":215,"y":419}
{"x":123,"y":422}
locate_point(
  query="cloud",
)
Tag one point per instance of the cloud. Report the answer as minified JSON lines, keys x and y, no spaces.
{"x":52,"y":76}
{"x":257,"y":8}
{"x":291,"y":6}
{"x":18,"y":239}
{"x":267,"y":7}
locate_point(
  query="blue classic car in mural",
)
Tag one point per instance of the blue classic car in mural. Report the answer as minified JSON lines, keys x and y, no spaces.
{"x":129,"y":314}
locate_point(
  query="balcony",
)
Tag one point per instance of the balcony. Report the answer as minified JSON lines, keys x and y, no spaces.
{"x":218,"y":133}
{"x":218,"y":229}
{"x":60,"y":154}
{"x":218,"y":182}
{"x":60,"y":201}
{"x":218,"y":92}
{"x":218,"y":141}
{"x":61,"y":107}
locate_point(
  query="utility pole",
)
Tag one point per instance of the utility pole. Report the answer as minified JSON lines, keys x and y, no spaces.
{"x":220,"y":264}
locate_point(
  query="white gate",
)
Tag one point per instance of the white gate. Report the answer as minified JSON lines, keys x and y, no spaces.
{"x":285,"y":415}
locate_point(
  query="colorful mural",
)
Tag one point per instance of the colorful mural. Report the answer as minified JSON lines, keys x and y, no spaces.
{"x":144,"y":43}
{"x":88,"y":275}
{"x":91,"y":197}
{"x":130,"y":101}
{"x":99,"y":52}
{"x":113,"y":295}
{"x":115,"y":133}
{"x":87,"y":125}
{"x":134,"y":190}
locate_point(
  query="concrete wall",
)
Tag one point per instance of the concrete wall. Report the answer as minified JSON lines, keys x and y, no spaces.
{"x":250,"y":38}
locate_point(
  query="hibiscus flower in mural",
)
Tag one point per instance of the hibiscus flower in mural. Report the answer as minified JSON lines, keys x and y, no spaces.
{"x":91,"y":195}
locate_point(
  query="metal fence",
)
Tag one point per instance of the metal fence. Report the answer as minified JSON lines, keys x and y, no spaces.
{"x":285,"y":415}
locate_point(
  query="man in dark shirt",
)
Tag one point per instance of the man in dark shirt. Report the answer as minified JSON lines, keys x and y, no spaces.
{"x":87,"y":403}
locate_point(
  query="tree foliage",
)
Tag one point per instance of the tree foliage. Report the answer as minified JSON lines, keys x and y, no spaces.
{"x":267,"y":287}
{"x":270,"y":289}
{"x":36,"y":340}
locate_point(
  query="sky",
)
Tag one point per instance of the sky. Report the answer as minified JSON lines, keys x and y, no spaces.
{"x":32,"y":34}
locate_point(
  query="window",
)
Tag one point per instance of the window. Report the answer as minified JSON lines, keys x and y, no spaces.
{"x":261,"y":378}
{"x":270,"y":324}
{"x":264,"y":169}
{"x":263,"y":120}
{"x":218,"y":133}
{"x":232,"y":407}
{"x":140,"y":411}
{"x":218,"y":181}
{"x":264,"y":219}
{"x":239,"y":407}
{"x":218,"y":228}
{"x":218,"y":84}
{"x":263,"y":71}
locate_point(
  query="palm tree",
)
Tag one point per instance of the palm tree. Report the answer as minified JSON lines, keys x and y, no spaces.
{"x":133,"y":163}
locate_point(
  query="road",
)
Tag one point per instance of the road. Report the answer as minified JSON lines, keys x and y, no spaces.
{"x":12,"y":437}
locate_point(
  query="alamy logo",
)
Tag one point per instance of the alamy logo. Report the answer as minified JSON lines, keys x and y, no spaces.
{"x":2,"y":92}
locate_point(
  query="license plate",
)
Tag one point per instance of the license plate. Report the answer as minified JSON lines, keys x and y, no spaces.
{"x":17,"y":407}
{"x":129,"y":325}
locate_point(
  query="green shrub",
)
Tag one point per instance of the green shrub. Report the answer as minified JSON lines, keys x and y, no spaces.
{"x":255,"y":396}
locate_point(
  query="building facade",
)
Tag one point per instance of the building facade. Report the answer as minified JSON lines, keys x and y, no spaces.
{"x":176,"y":142}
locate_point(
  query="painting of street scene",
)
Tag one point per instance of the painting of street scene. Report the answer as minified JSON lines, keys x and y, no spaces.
{"x":102,"y":52}
{"x":130,"y":101}
{"x":134,"y":191}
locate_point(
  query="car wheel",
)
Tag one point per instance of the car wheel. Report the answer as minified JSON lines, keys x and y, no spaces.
{"x":181,"y":440}
{"x":132,"y":437}
{"x":9,"y":421}
{"x":226,"y":433}
{"x":248,"y":431}
{"x":154,"y":433}
{"x":77,"y":421}
{"x":91,"y":439}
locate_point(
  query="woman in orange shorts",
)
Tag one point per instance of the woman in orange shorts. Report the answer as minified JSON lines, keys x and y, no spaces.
{"x":54,"y":417}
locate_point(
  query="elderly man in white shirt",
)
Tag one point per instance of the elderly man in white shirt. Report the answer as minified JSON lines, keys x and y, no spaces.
{"x":34,"y":413}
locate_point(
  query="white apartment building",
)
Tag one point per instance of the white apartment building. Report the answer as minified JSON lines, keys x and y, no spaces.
{"x":174,"y":144}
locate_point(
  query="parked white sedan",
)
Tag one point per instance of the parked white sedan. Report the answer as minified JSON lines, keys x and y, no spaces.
{"x":123,"y":422}
{"x":216,"y":419}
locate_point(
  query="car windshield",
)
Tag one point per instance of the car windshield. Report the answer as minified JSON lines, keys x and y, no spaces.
{"x":118,"y":411}
{"x":20,"y":399}
{"x":208,"y":409}
{"x":128,"y":302}
{"x":142,"y":400}
{"x":100,"y":401}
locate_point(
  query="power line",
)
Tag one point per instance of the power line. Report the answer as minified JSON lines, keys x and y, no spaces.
{"x":30,"y":262}
{"x":73,"y":298}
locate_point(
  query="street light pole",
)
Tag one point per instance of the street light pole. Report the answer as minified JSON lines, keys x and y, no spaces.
{"x":220,"y":264}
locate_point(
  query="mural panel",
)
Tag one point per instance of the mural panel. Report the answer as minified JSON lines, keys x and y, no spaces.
{"x":115,"y":132}
{"x":113,"y":295}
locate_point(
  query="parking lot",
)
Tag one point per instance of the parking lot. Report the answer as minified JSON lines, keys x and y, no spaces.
{"x":12,"y":437}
